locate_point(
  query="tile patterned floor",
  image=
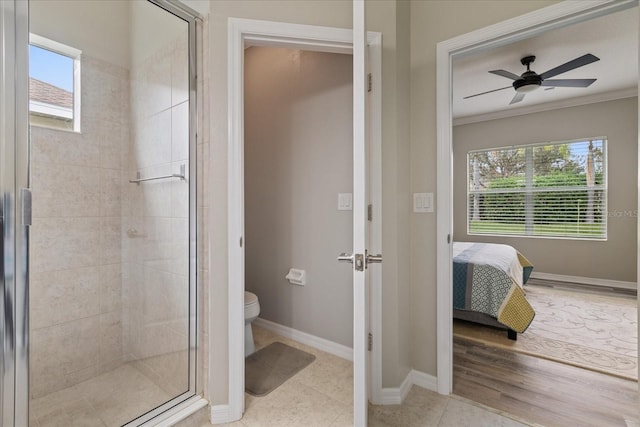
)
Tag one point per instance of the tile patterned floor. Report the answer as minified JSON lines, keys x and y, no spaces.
{"x":322,"y":395}
{"x":110,"y":399}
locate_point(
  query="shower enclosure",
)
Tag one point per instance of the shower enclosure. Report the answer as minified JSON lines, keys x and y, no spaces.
{"x":97,"y":158}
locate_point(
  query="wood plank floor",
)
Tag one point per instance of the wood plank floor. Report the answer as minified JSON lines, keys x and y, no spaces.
{"x":542,"y":391}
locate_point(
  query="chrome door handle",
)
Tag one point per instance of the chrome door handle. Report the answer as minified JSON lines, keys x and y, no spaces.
{"x":374,"y":259}
{"x":356,"y":259}
{"x":345,"y":257}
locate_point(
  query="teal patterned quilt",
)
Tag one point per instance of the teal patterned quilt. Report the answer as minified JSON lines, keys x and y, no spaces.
{"x":488,"y":278}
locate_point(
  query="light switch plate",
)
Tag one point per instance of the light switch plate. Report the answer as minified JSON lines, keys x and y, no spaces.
{"x":423,"y":202}
{"x":345,"y":201}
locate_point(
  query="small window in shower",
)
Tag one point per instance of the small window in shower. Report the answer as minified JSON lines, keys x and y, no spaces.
{"x":54,"y":84}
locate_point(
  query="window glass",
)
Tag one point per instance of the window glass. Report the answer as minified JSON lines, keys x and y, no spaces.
{"x":53,"y":101}
{"x":545,"y":190}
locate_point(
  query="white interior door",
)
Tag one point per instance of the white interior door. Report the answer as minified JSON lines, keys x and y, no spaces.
{"x":360,"y":257}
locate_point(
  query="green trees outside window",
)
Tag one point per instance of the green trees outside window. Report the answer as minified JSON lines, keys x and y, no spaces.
{"x":555,"y":189}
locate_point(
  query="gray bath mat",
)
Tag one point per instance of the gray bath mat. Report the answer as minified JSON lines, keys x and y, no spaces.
{"x":270,"y":367}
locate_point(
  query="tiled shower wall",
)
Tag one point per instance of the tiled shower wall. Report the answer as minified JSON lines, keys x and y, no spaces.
{"x":155,"y":228}
{"x":109,"y":259}
{"x":75,"y":253}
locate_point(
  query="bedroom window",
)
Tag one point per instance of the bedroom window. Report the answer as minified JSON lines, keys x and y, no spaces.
{"x":554,"y":189}
{"x":54,"y":84}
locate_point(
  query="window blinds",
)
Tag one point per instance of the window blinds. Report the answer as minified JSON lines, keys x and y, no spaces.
{"x":554,"y":189}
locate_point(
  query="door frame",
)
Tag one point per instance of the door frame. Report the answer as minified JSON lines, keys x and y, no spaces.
{"x":243,"y":32}
{"x":525,"y":26}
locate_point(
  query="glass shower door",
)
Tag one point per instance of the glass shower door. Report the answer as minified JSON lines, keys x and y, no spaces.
{"x":112,"y":256}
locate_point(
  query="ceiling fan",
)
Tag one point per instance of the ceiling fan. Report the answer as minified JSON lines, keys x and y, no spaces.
{"x":530,"y":80}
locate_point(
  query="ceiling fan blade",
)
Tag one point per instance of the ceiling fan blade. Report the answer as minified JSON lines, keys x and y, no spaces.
{"x":519,"y":96}
{"x":504,"y":73}
{"x":489,"y":91}
{"x":571,"y":65}
{"x":568,"y":82}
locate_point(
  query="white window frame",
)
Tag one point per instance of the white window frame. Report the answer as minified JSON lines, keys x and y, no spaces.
{"x":75,"y":55}
{"x":605,"y":189}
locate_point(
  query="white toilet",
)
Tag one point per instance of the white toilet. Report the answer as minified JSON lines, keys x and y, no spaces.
{"x":251,"y":312}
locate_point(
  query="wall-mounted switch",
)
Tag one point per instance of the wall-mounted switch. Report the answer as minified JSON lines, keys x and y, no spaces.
{"x":422,"y":202}
{"x":345,"y":201}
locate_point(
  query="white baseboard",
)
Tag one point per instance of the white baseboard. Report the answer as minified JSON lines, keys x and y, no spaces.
{"x":585,"y":280}
{"x":307,"y":339}
{"x":425,"y":381}
{"x":388,"y":395}
{"x":396,"y":395}
{"x":221,"y":414}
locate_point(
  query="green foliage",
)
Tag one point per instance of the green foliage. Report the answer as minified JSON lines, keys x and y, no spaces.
{"x":499,"y":163}
{"x":553,"y":206}
{"x":574,"y":229}
{"x":554,"y":158}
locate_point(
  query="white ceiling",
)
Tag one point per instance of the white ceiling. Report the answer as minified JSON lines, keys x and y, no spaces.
{"x":612,"y":38}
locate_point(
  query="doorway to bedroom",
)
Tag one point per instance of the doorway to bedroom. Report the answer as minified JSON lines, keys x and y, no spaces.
{"x":530,"y":171}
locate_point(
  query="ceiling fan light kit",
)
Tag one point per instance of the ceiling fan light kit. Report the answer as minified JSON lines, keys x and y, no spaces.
{"x":529,"y":81}
{"x":526,"y":87}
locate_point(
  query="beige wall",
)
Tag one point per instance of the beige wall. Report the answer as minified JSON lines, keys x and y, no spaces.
{"x":100,"y":29}
{"x":151,"y":29}
{"x":298,"y":157}
{"x":614,"y":259}
{"x":433,"y":22}
{"x":392,"y":20}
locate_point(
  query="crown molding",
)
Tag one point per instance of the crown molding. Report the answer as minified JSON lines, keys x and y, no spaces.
{"x":556,"y":105}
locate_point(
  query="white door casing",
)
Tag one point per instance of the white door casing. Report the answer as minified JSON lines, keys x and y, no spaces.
{"x":245,"y":32}
{"x":512,"y":30}
{"x":360,"y":309}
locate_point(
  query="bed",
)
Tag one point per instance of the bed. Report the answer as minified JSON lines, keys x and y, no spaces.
{"x":488,"y":284}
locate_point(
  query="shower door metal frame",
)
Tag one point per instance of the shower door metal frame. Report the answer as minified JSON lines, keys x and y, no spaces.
{"x":14,"y":176}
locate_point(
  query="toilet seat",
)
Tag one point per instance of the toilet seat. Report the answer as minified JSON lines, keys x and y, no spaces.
{"x":251,"y":312}
{"x":251,"y":306}
{"x":250,"y":298}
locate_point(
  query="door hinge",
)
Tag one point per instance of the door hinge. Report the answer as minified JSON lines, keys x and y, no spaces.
{"x":240,"y":241}
{"x":370,"y":212}
{"x":369,"y":82}
{"x":448,"y":238}
{"x":370,"y":342}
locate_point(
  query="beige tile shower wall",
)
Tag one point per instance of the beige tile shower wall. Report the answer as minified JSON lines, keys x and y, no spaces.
{"x":156,"y":220}
{"x":75,"y":252}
